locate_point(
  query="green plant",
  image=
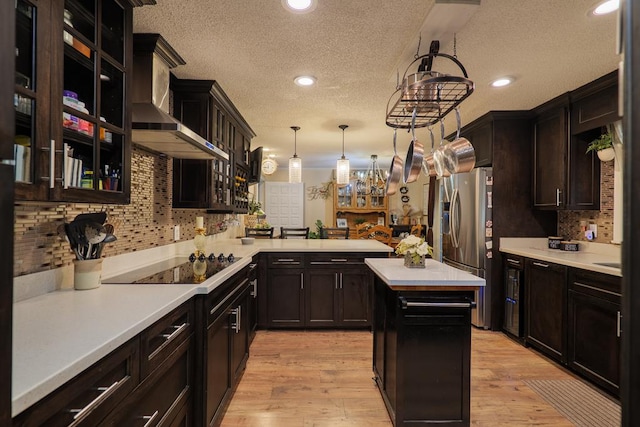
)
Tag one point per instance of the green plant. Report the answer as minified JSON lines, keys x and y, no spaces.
{"x":359,"y":221}
{"x":255,"y":208}
{"x":602,"y":142}
{"x":316,"y":234}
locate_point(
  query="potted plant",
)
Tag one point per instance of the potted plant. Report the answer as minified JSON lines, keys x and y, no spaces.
{"x":254,"y":212}
{"x":603,"y":145}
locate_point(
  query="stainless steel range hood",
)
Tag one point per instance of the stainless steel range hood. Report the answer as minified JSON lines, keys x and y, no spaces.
{"x":152,"y":125}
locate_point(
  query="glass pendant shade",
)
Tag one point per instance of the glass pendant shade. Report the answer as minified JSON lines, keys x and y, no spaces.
{"x":342,"y":167}
{"x":342,"y":171}
{"x":295,"y":162}
{"x":295,"y":170}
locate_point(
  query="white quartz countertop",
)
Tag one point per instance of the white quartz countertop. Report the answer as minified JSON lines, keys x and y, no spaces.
{"x":588,"y":257}
{"x":434,"y":276}
{"x":59,"y":334}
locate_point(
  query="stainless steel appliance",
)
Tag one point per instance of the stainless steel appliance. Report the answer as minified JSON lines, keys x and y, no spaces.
{"x":467,"y":231}
{"x":513,"y":306}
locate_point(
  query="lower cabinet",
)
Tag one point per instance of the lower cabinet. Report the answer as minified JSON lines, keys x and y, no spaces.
{"x":422,"y":355}
{"x":333,"y":291}
{"x":573,"y":316}
{"x":546,"y":299}
{"x":225,"y":346}
{"x":594,"y":327}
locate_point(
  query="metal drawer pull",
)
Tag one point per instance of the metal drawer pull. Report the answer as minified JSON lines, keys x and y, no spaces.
{"x":406,"y":304}
{"x":618,"y":325}
{"x":229,"y":295}
{"x":335,"y":279}
{"x":168,"y":338}
{"x":339,"y":260}
{"x":341,"y":284}
{"x":237,"y":313}
{"x":558,"y":196}
{"x":285,"y":260}
{"x":302,"y":281}
{"x":106,"y":392}
{"x":513,"y":261}
{"x":582,"y":285}
{"x":150,"y":418}
{"x":539,"y":264}
{"x":254,"y":288}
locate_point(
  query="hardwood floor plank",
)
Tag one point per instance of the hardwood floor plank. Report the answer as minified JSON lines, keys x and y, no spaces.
{"x":324,"y":378}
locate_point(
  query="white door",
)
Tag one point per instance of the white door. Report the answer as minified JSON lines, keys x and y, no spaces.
{"x":284,"y":204}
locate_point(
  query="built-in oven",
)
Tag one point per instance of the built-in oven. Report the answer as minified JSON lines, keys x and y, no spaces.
{"x":514,"y":296}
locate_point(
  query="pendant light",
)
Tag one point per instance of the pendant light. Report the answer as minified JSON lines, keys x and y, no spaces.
{"x":295,"y":162}
{"x":342,"y":168}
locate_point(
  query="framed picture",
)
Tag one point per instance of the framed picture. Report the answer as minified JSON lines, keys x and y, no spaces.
{"x":380,"y":220}
{"x":341,"y":222}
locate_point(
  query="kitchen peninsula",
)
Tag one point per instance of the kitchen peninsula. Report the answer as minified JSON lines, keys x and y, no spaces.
{"x":65,"y":341}
{"x":422,"y":341}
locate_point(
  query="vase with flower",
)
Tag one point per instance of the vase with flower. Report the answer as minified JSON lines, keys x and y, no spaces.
{"x":414,"y":249}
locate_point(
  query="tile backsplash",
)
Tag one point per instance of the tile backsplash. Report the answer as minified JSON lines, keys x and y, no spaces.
{"x":148,"y":221}
{"x":569,"y":221}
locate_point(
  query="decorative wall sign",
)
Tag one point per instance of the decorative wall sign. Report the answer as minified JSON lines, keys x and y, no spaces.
{"x":322,"y":191}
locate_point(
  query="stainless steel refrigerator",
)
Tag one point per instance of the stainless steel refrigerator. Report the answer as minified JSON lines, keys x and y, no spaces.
{"x":467,"y":232}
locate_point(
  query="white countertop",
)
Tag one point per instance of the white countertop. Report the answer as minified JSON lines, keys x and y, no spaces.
{"x":585,"y":258}
{"x":59,"y":334}
{"x":435,"y":275}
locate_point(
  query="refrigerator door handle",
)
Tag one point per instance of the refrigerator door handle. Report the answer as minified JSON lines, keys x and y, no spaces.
{"x":455,"y":220}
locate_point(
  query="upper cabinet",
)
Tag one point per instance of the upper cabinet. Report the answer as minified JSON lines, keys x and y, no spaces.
{"x":71,"y":100}
{"x":565,"y":176}
{"x":219,"y":185}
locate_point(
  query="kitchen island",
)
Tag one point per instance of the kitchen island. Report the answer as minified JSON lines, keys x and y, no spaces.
{"x":422,"y":341}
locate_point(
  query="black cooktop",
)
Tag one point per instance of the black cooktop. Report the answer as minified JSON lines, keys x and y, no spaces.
{"x":175,"y":271}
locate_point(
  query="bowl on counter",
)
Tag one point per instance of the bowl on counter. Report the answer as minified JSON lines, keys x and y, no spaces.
{"x":247,"y":240}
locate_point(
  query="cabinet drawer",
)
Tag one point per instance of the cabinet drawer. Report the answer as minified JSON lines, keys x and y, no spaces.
{"x":596,"y":284}
{"x":159,"y":398}
{"x":285,"y":260}
{"x":89,"y":397}
{"x":336,"y":259}
{"x":217,"y":303}
{"x":160,"y":339}
{"x":514,"y":261}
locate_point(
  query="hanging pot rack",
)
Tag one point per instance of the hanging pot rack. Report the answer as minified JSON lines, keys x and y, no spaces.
{"x":432,"y":98}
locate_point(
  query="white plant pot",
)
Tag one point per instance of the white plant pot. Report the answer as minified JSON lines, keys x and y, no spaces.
{"x":607,"y":154}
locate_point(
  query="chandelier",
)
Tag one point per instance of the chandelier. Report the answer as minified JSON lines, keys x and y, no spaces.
{"x":373,"y":181}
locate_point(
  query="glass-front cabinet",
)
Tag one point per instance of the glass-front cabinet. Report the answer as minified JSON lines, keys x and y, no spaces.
{"x":72,"y":116}
{"x":357,"y":202}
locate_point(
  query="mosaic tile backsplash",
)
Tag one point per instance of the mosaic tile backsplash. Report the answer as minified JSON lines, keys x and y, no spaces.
{"x":146,"y":222}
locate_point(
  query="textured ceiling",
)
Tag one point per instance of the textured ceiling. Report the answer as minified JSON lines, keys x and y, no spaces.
{"x":355,"y":48}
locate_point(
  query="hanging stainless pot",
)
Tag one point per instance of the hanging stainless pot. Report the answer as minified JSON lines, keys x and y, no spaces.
{"x":395,"y":170}
{"x":438,"y":155}
{"x":428,"y":166}
{"x":459,"y":155}
{"x":415,"y":154}
{"x":419,"y":93}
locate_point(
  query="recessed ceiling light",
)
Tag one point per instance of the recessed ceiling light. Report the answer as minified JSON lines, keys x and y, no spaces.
{"x":501,"y":82}
{"x":299,"y":6}
{"x":304,"y":80}
{"x":605,"y":7}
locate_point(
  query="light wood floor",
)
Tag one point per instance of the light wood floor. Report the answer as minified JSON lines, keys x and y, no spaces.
{"x":324,"y":378}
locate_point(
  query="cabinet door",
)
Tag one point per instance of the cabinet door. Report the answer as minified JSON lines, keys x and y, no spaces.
{"x":546,"y":307}
{"x":191,"y":183}
{"x":550,"y":139}
{"x":598,"y":108}
{"x":240,"y":335}
{"x":285,"y":297}
{"x":355,"y":297}
{"x":594,"y":343}
{"x":321,"y":296}
{"x":218,"y":364}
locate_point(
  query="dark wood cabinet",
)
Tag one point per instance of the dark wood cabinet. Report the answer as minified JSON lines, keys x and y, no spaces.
{"x":72,"y":106}
{"x":333,"y":291}
{"x":546,"y":301}
{"x":550,"y":144}
{"x":565,"y":175}
{"x":224,"y":333}
{"x":88,"y":398}
{"x":422,"y":355}
{"x":217,"y":185}
{"x":595,"y":104}
{"x":594,"y":327}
